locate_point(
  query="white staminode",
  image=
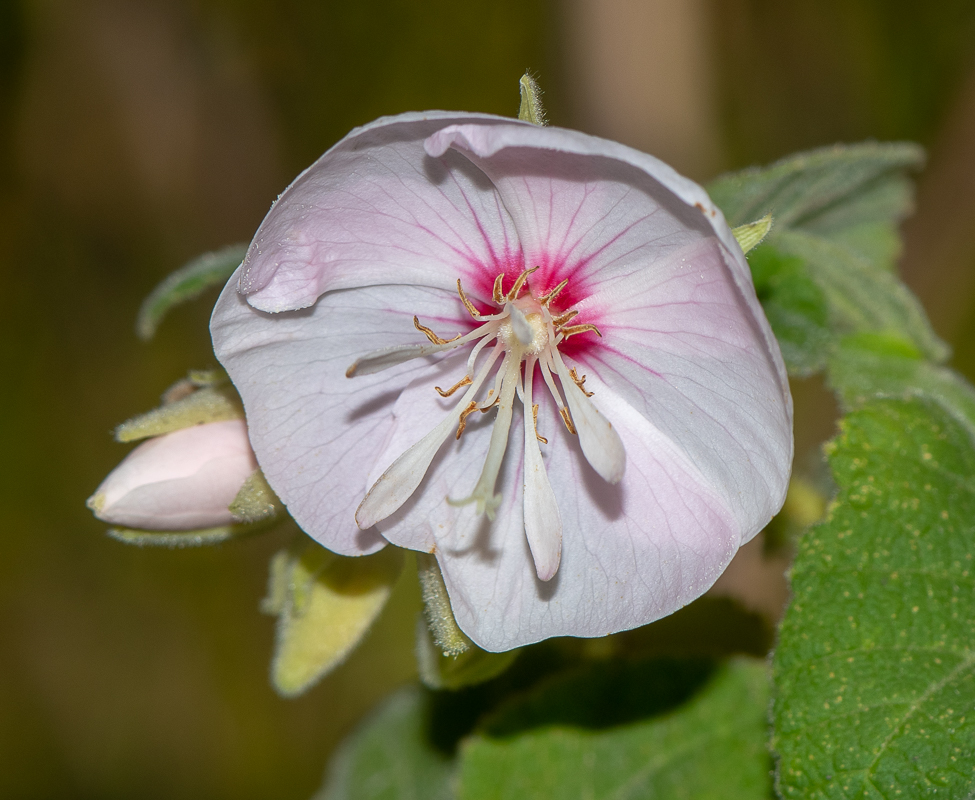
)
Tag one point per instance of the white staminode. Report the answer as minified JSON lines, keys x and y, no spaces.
{"x":524,"y":332}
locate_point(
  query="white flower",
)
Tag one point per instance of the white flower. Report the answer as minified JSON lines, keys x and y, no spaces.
{"x":637,"y":424}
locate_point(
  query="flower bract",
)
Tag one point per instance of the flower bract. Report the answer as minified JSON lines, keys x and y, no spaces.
{"x":531,"y":352}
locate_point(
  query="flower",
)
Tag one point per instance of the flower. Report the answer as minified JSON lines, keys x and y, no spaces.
{"x":181,"y":481}
{"x":637,"y":424}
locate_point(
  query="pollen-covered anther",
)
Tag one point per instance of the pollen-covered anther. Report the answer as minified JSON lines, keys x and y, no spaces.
{"x":572,"y":330}
{"x":561,"y":319}
{"x":579,"y":381}
{"x":498,"y":294}
{"x":467,"y":303}
{"x":567,"y":419}
{"x":462,"y":424}
{"x":545,"y":299}
{"x":542,"y":439}
{"x":431,"y":335}
{"x":520,"y":283}
{"x":465,"y":381}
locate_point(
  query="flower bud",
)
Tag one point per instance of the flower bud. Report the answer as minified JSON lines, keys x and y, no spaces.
{"x":183,"y":480}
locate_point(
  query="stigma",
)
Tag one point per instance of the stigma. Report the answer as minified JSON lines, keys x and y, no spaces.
{"x":509,"y":344}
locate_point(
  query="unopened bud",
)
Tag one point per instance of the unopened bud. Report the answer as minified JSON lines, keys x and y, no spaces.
{"x":184,"y":480}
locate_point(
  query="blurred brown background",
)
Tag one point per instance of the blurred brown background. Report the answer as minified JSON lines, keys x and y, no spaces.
{"x":135,"y":134}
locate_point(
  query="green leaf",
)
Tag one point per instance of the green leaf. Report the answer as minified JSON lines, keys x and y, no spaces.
{"x":875,"y":670}
{"x":674,"y":729}
{"x":389,"y":757}
{"x":836,"y":213}
{"x":796,"y":309}
{"x":187,"y":283}
{"x":862,"y":297}
{"x":866,"y":366}
{"x":819,"y":189}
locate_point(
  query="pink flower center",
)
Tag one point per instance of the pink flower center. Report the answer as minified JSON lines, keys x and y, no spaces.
{"x":525,"y":333}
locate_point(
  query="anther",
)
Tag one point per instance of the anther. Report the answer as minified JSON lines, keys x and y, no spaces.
{"x":567,"y":419}
{"x":498,"y":295}
{"x":579,"y":381}
{"x":548,"y":298}
{"x":516,"y":289}
{"x":463,"y":417}
{"x":467,"y":303}
{"x":465,"y":381}
{"x":431,"y":335}
{"x":542,"y":439}
{"x":561,"y":319}
{"x":571,"y":330}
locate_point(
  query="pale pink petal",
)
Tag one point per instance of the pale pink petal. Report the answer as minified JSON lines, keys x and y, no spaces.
{"x":589,"y":209}
{"x":317,"y":433}
{"x":184,"y":480}
{"x":375,"y":209}
{"x":631,"y":553}
{"x":680,"y":346}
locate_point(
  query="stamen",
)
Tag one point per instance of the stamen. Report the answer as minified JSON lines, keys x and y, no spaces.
{"x":471,"y":408}
{"x":498,"y":295}
{"x":579,"y":381}
{"x":572,"y":330}
{"x":401,"y":479}
{"x":561,"y":319}
{"x":542,"y":439}
{"x":467,"y":303}
{"x":601,"y":444}
{"x":431,"y":335}
{"x":465,"y":381}
{"x":483,"y":495}
{"x":556,"y":395}
{"x":476,"y":350}
{"x":548,"y":298}
{"x":543,"y":523}
{"x":516,"y":289}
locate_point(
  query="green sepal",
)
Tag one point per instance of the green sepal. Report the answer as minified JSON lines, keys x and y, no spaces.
{"x":215,"y":403}
{"x":179,"y":539}
{"x":325,"y":604}
{"x":473,"y":666}
{"x":185,"y":284}
{"x":531,"y":109}
{"x":751,"y":234}
{"x":256,"y":500}
{"x":436,"y":608}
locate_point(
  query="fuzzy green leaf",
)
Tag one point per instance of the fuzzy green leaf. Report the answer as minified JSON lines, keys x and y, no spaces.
{"x":390,"y":757}
{"x":674,"y":729}
{"x":796,"y":309}
{"x":875,"y":668}
{"x":836,"y":213}
{"x":867,"y":366}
